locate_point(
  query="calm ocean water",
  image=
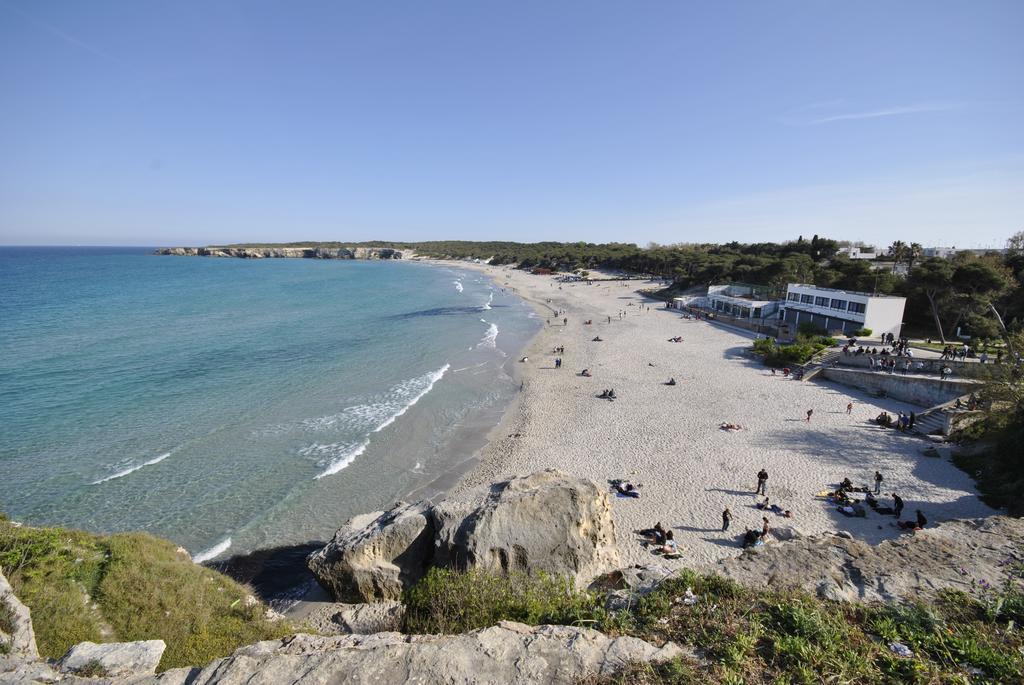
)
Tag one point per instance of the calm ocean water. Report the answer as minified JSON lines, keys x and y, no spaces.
{"x":236,"y":404}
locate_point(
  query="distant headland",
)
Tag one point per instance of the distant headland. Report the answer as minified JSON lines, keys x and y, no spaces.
{"x":283,"y":252}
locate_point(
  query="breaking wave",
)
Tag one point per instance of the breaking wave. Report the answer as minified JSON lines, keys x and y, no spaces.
{"x":490,"y":337}
{"x":132,"y":469}
{"x":213,"y":552}
{"x":400,"y":399}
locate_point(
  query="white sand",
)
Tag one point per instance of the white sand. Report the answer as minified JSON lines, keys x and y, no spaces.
{"x":667,"y":438}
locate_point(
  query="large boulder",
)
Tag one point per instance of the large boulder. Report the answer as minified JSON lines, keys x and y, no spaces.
{"x":116,"y":659}
{"x":375,"y":556}
{"x":17,"y":638}
{"x":547,"y":521}
{"x":505,"y":653}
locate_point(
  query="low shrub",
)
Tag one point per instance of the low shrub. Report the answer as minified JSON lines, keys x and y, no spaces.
{"x":863,"y":333}
{"x":448,"y":601}
{"x":791,"y":354}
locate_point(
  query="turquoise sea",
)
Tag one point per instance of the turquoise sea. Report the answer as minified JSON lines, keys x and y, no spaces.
{"x":232,"y":405}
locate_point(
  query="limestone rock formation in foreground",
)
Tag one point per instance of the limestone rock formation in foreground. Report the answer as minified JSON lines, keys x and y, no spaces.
{"x":358,"y":619}
{"x":547,"y":521}
{"x":375,"y":556}
{"x":900,"y":569}
{"x":506,"y":653}
{"x":115,"y":659}
{"x":16,"y":634}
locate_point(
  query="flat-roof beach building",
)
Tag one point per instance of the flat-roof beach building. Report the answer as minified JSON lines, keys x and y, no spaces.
{"x":742,"y":301}
{"x":842,"y":310}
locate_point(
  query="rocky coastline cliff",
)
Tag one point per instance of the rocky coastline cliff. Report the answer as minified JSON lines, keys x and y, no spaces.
{"x":874,"y":612}
{"x":311,"y":252}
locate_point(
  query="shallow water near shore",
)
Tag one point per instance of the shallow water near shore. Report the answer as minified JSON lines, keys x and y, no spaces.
{"x":232,"y":405}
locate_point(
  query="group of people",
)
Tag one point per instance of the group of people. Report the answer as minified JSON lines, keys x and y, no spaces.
{"x":972,"y":403}
{"x":953,"y":353}
{"x":890,"y":365}
{"x":663,"y":541}
{"x":902,"y":422}
{"x":676,"y":339}
{"x":608,"y":394}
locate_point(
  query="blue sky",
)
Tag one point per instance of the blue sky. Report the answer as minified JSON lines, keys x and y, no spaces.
{"x":155,"y":123}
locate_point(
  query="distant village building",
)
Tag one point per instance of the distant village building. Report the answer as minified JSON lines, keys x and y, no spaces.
{"x":948,"y":252}
{"x":855,"y":252}
{"x":842,"y":311}
{"x":942,"y":252}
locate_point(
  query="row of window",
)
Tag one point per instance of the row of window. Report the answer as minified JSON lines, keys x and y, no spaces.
{"x":842,"y":305}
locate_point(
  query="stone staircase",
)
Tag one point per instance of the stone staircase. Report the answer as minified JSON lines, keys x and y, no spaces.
{"x":932,"y":421}
{"x":823,"y":359}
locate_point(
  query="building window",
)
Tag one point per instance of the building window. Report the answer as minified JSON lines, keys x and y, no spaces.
{"x":794,"y":297}
{"x":821,"y":301}
{"x":838,"y":304}
{"x":807,"y":299}
{"x":857,"y":307}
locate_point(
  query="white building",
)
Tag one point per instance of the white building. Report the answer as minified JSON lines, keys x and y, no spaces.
{"x":842,"y":311}
{"x":742,"y":301}
{"x":855,"y":252}
{"x":943,"y":252}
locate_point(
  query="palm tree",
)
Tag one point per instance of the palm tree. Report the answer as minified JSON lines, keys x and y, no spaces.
{"x":898,"y":252}
{"x":914,"y":253}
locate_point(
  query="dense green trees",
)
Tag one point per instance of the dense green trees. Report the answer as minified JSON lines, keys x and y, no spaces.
{"x":942,"y":294}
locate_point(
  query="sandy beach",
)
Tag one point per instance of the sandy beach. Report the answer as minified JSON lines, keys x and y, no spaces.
{"x":666,"y":439}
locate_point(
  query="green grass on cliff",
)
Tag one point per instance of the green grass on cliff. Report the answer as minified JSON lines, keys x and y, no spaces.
{"x":125,"y":587}
{"x":755,"y":636}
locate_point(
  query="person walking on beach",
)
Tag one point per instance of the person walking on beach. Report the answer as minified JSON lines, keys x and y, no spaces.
{"x":565,"y":321}
{"x":897,"y":504}
{"x":878,"y":483}
{"x":762,"y":482}
{"x":765,"y":529}
{"x":849,"y":408}
{"x":809,"y":412}
{"x":726,"y":519}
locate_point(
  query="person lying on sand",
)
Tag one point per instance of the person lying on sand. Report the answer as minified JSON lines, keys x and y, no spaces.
{"x":586,"y":372}
{"x":730,"y":427}
{"x":624,"y":488}
{"x":596,"y":338}
{"x":654,"y":535}
{"x":670,"y":381}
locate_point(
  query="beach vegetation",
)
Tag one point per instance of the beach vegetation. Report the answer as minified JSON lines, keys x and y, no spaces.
{"x":742,"y":635}
{"x":448,"y":601}
{"x":790,"y":354}
{"x":126,"y":587}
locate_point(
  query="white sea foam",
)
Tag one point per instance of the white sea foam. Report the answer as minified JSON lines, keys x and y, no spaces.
{"x":342,"y":461}
{"x":490,"y":298}
{"x":490,"y":337}
{"x":213,"y":552}
{"x":400,"y":399}
{"x":458,"y":285}
{"x":132,"y":469}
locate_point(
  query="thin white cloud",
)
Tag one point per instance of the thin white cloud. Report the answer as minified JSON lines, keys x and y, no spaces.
{"x":888,"y":112}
